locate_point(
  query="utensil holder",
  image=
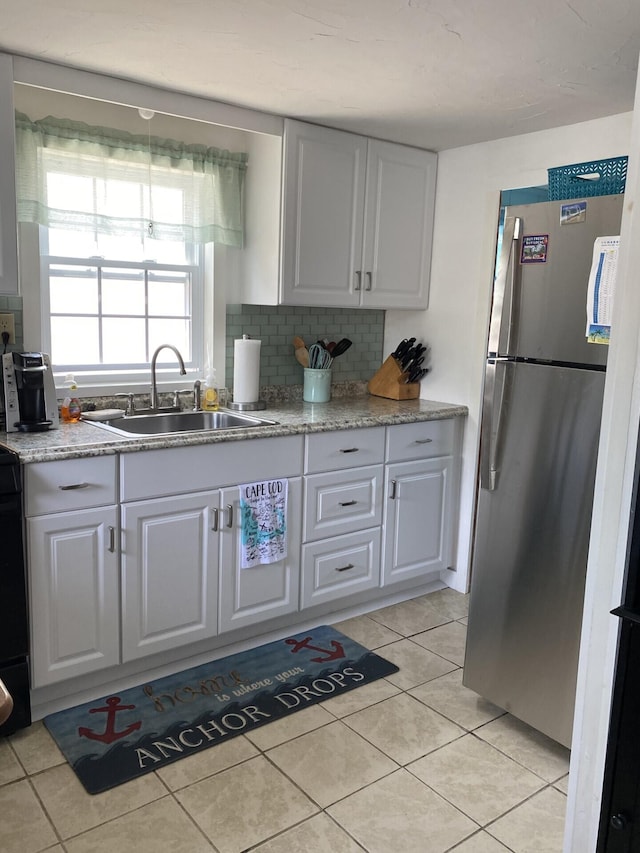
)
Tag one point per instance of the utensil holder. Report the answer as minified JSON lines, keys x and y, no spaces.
{"x":390,"y":382}
{"x":317,"y":385}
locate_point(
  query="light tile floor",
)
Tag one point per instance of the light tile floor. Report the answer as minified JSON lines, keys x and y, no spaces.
{"x":414,"y":761}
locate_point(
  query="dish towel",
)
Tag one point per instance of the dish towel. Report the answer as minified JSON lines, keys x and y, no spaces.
{"x":263,"y":512}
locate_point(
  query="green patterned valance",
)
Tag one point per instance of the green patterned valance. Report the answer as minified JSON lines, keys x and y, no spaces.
{"x":71,"y":175}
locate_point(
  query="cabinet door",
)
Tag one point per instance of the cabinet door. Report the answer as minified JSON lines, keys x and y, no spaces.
{"x":401,"y":184}
{"x":418,"y":532}
{"x":169,"y":573}
{"x":323,"y":209}
{"x":248,"y":596}
{"x":8,"y":231}
{"x":73,"y":579}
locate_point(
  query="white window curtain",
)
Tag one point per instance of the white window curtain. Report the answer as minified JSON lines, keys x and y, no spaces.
{"x":154,"y":178}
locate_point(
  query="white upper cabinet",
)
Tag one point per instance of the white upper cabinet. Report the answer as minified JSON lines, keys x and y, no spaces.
{"x":8,"y":233}
{"x":357,"y":220}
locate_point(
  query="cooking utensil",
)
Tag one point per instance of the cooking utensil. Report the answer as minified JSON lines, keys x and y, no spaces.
{"x":319,"y":357}
{"x":302,"y":356}
{"x":417,"y":374}
{"x":298,"y":342}
{"x":414,"y":364}
{"x":341,"y":347}
{"x":403,"y":347}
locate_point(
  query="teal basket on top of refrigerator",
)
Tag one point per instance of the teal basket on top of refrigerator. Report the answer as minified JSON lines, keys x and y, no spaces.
{"x":583,"y":180}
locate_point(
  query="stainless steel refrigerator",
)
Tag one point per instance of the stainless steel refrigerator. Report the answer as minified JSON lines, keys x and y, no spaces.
{"x":541,"y":414}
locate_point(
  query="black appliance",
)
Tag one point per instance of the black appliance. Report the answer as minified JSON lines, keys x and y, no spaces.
{"x":14,"y":626}
{"x":28,"y":392}
{"x":619,"y":830}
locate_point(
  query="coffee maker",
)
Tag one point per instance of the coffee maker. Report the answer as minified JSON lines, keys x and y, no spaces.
{"x":29,"y":393}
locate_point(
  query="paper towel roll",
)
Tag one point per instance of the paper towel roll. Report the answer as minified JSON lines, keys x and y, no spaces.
{"x":246,"y":370}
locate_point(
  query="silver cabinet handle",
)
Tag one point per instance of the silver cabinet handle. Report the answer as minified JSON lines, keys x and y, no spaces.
{"x":215,"y":514}
{"x":350,"y":450}
{"x":358,"y":280}
{"x":73,"y":486}
{"x":369,"y":284}
{"x":423,"y":440}
{"x":394,"y":486}
{"x":229,"y":509}
{"x":348,"y":503}
{"x":345,"y":568}
{"x":112,"y":539}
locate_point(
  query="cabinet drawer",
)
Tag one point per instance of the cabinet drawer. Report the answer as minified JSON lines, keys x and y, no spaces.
{"x":182,"y":470}
{"x":421,"y":440}
{"x":350,"y":448}
{"x":334,"y":568}
{"x":70,"y":484}
{"x":341,"y":503}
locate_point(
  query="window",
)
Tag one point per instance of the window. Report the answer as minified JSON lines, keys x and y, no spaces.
{"x":125,"y":220}
{"x":113,"y":299}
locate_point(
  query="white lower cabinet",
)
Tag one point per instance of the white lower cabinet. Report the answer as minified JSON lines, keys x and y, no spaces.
{"x":73,"y":567}
{"x":74,"y":593}
{"x":421,"y":488}
{"x":119,"y":574}
{"x":249,"y":596}
{"x":169,"y":573}
{"x":342,"y":514}
{"x":181,"y":553}
{"x":417,"y":529}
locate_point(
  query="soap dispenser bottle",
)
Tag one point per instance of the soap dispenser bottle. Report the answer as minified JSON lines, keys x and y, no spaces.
{"x":70,"y":410}
{"x":210,"y":401}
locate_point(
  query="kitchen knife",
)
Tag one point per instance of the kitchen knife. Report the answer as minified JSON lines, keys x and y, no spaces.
{"x":399,"y":350}
{"x":414,"y":364}
{"x":408,"y":357}
{"x":403,"y":347}
{"x":417,"y":374}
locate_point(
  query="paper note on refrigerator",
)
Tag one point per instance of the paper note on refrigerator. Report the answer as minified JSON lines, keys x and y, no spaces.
{"x":602,"y":281}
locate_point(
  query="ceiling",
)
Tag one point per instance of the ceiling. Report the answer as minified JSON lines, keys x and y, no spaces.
{"x":432,"y":73}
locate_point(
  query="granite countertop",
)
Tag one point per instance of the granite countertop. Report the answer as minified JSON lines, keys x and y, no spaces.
{"x":85,"y":439}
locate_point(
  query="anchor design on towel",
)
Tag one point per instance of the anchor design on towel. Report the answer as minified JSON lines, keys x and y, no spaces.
{"x":335,"y":653}
{"x":109,"y":735}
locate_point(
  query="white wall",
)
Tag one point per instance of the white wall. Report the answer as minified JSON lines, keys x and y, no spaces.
{"x":609,"y":528}
{"x":455,"y":324}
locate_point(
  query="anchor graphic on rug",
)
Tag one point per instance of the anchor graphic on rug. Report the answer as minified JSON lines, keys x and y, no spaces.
{"x":335,"y":653}
{"x":109,"y":735}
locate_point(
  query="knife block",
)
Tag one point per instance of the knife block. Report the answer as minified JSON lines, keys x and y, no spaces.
{"x":389,"y":382}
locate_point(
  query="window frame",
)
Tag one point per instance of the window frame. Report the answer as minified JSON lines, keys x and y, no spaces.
{"x":109,"y":377}
{"x":146,"y":267}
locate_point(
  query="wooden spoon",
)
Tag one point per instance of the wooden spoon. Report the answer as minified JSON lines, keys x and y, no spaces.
{"x":302,"y":356}
{"x":298,"y":342}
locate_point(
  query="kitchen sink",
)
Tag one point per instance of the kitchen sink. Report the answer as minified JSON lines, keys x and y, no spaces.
{"x":166,"y":423}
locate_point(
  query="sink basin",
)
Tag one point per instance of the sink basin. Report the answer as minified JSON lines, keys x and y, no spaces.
{"x":165,"y":423}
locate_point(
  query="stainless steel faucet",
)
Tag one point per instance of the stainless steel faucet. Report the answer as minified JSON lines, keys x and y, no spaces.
{"x":154,"y":390}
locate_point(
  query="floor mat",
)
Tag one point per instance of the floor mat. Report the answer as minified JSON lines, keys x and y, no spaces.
{"x":119,"y":737}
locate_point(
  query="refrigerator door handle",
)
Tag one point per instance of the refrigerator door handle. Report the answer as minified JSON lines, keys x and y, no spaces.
{"x":492,"y":416}
{"x":504,"y":287}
